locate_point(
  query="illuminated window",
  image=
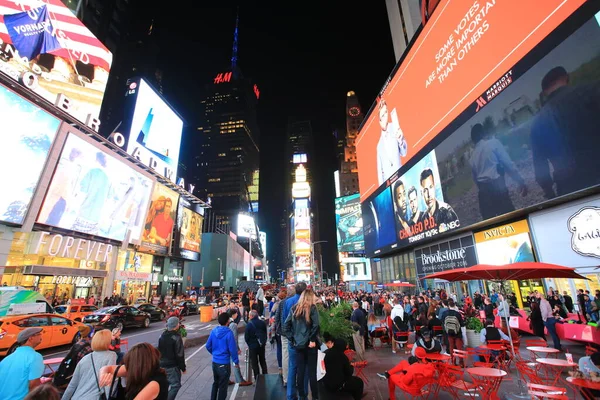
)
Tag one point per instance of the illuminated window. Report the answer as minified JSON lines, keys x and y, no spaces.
{"x":222,"y":154}
{"x":214,"y":180}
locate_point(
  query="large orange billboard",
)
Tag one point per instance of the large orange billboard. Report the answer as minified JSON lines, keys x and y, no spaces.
{"x":464,"y":49}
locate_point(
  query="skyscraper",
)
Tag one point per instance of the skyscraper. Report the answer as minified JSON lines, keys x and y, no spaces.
{"x":299,"y":150}
{"x":225,"y":168}
{"x":405,"y":18}
{"x":348,"y":167}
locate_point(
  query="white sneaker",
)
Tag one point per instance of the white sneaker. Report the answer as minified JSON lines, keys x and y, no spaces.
{"x":394,"y":351}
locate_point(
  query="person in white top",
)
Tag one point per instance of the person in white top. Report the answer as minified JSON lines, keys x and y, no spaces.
{"x":397,"y":311}
{"x":549,"y":319}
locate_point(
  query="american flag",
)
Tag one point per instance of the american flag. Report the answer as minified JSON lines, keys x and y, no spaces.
{"x":78,"y":43}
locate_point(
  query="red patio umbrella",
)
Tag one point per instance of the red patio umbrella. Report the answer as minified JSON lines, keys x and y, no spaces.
{"x":516,"y":271}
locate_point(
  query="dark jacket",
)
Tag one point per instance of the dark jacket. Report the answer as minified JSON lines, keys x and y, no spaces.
{"x":337,"y":366}
{"x":170,"y":346}
{"x":298,"y":331}
{"x":245,"y":300}
{"x":358,"y":320}
{"x":253,"y":329}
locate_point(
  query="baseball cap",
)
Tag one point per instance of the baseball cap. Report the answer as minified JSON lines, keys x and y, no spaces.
{"x":27,"y":333}
{"x":172,"y":323}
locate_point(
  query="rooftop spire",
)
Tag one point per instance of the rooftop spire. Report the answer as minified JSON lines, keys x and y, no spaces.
{"x":234,"y":54}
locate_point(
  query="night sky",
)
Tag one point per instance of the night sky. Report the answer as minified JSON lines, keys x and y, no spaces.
{"x":304,"y":56}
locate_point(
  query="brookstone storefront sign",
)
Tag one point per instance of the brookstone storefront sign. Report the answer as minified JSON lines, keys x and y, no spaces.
{"x":456,"y":253}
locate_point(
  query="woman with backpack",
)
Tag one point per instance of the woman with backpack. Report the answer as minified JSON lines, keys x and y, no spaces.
{"x":79,"y":350}
{"x":85,"y":382}
{"x":302,"y":330}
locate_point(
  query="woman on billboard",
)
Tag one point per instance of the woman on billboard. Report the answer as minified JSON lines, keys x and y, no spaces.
{"x":160,"y":222}
{"x":392,"y":144}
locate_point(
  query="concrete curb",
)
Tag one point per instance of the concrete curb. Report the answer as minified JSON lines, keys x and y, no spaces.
{"x":203,"y":338}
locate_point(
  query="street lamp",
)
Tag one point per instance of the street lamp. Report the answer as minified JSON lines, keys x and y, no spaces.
{"x":220,"y":270}
{"x":312,"y":254}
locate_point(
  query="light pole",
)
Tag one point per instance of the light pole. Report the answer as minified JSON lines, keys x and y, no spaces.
{"x":312,"y":254}
{"x":220,"y":271}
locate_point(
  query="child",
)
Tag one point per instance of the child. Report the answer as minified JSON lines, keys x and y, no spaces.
{"x":221,"y":344}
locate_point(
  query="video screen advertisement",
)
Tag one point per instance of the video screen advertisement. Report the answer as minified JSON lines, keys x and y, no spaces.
{"x":533,"y":138}
{"x":160,"y":220}
{"x":349,"y":223}
{"x":153,"y":129}
{"x":49,"y":51}
{"x":95,"y":193}
{"x":189,"y":230}
{"x":246,"y":227}
{"x":28,"y":134}
{"x":461,"y":52}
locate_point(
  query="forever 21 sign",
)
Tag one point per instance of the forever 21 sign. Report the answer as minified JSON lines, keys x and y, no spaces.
{"x":456,"y":253}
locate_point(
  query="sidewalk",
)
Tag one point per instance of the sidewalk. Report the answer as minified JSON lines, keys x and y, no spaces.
{"x":197,"y":382}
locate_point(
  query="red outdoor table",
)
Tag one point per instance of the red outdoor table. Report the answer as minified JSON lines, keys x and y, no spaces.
{"x":488,"y":380}
{"x":585,"y":385}
{"x":544,"y":351}
{"x":438,"y":357}
{"x":50,"y":361}
{"x":554,"y":368}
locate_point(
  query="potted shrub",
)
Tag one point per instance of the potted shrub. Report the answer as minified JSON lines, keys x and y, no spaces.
{"x":474,"y":327}
{"x":336,"y":321}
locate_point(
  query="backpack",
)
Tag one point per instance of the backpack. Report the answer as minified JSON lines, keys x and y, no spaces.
{"x":452,"y":325}
{"x":65,"y":371}
{"x":261,"y":335}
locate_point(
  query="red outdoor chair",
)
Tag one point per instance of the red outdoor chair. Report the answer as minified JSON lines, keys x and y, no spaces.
{"x":542,"y":392}
{"x":452,"y":380}
{"x":359,"y":367}
{"x":528,"y":372}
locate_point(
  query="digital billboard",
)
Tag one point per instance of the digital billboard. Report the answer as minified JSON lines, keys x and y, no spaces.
{"x":349,"y":223}
{"x":262,"y":236}
{"x":533,"y":140}
{"x":160,"y":220}
{"x":28,"y":133}
{"x":154,"y":129}
{"x":246,"y":227}
{"x":189,"y":230}
{"x":48,"y":50}
{"x":303,"y":263}
{"x":95,"y":193}
{"x":378,"y":222}
{"x":356,"y":269}
{"x":463,"y":50}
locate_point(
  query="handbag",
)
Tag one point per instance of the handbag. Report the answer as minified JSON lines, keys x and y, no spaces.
{"x":117,"y":391}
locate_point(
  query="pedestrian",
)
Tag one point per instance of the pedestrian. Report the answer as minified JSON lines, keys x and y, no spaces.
{"x":260,"y":300}
{"x":452,"y":324}
{"x":246,"y":304}
{"x":276,"y":327}
{"x":302,"y":329}
{"x":66,"y":369}
{"x":568,"y":301}
{"x":339,"y":372}
{"x":172,"y":356}
{"x":256,"y":339}
{"x":115,"y":344}
{"x":142,"y":372}
{"x":85,"y":384}
{"x":358,"y":322}
{"x":292,"y":388}
{"x":233,"y":326}
{"x":221,"y":344}
{"x":20,"y":372}
{"x":549,"y":320}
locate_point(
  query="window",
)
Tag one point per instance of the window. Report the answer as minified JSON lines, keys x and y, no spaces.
{"x":31,"y":322}
{"x":132,"y":311}
{"x":60,"y":321}
{"x":88,"y":308}
{"x":74,"y":308}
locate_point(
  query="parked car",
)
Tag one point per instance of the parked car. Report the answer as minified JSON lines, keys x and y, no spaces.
{"x":118,"y":317}
{"x":57,"y":330}
{"x":191,"y":307}
{"x":75,"y":312}
{"x":156,"y":314}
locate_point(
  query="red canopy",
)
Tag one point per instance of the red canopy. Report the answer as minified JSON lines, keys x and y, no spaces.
{"x":400,"y":284}
{"x":517,"y":271}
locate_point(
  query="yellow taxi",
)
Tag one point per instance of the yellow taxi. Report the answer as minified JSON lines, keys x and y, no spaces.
{"x":75,"y":312}
{"x":56,"y":330}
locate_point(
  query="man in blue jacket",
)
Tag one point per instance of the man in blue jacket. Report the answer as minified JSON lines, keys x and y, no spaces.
{"x":223,"y":348}
{"x":292,"y":389}
{"x":256,"y":339}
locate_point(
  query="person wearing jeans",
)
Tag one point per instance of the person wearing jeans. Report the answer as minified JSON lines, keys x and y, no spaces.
{"x":172,"y":356}
{"x":256,"y":339}
{"x":549,"y":320}
{"x":223,"y":348}
{"x":289,"y":352}
{"x":306,"y":359}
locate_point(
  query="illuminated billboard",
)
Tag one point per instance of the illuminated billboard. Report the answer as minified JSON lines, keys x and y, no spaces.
{"x":94,"y":192}
{"x":160,"y":220}
{"x":458,"y":61}
{"x":349,"y":223}
{"x":246,"y":227}
{"x":189,"y":230}
{"x":153,"y":128}
{"x":53,"y":54}
{"x":263,"y":242}
{"x":28,"y":133}
{"x":302,"y":263}
{"x":534,"y":139}
{"x":356,"y":269}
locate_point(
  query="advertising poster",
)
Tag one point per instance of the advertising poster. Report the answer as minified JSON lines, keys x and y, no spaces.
{"x":53,"y":53}
{"x":95,"y":193}
{"x":246,"y":226}
{"x":301,"y":218}
{"x":158,"y":228}
{"x":302,"y":242}
{"x":28,"y":133}
{"x":349,"y":223}
{"x":533,"y":139}
{"x":189,"y":230}
{"x":302,"y":263}
{"x":155,"y":131}
{"x":356,"y":269}
{"x":447,"y":255}
{"x":378,"y":220}
{"x":463,"y":50}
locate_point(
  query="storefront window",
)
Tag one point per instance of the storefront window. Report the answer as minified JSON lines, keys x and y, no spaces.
{"x":135,"y":287}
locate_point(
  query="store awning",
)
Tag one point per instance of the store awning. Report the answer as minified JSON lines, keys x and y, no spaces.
{"x":55,"y":271}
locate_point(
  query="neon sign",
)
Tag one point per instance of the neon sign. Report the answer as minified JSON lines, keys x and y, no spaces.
{"x":223,"y":77}
{"x":256,"y":91}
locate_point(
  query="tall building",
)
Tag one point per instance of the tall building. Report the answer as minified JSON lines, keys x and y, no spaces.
{"x":405,"y":18}
{"x":225,"y":167}
{"x":299,"y":150}
{"x":348,"y":168}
